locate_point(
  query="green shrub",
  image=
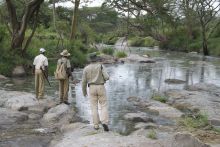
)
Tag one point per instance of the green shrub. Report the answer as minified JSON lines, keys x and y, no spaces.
{"x":121,"y":54}
{"x":110,"y":40}
{"x":196,"y":121}
{"x":160,"y":98}
{"x":196,"y":46}
{"x":214,"y":46}
{"x":143,"y":42}
{"x":108,"y":51}
{"x":152,"y":134}
{"x":92,"y":50}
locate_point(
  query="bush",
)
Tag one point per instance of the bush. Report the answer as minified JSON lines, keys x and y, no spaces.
{"x":195,"y":121}
{"x":92,"y":50}
{"x":108,"y":51}
{"x":143,"y":42}
{"x":160,"y":98}
{"x":196,"y":46}
{"x":78,"y":57}
{"x":121,"y":54}
{"x":152,"y":134}
{"x":110,"y":40}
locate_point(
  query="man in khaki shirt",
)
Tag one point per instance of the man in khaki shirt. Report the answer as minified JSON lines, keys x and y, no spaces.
{"x":40,"y":70}
{"x":64,"y":84}
{"x":95,"y":76}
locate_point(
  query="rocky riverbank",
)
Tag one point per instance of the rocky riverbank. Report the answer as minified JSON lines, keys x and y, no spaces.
{"x":26,"y":121}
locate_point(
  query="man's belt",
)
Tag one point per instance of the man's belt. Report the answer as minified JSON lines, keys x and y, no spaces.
{"x":95,"y":84}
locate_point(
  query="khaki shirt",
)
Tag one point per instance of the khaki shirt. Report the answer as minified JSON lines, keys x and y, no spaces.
{"x":40,"y":61}
{"x":64,"y":60}
{"x":93,"y":74}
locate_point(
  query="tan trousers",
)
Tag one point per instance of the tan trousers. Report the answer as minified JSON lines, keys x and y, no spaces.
{"x":39,"y":84}
{"x":98,"y":95}
{"x":64,"y":89}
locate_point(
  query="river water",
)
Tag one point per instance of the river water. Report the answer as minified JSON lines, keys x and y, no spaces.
{"x":134,"y":79}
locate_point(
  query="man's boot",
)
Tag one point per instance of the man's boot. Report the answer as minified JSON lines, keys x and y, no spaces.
{"x":105,"y":127}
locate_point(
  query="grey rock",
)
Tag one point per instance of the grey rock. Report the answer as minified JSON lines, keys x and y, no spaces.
{"x":86,"y":136}
{"x":28,"y":141}
{"x":165,"y":110}
{"x":174,"y":81}
{"x":3,"y":77}
{"x":61,"y":114}
{"x":138,"y":117}
{"x":9,"y":117}
{"x":198,"y":97}
{"x":135,"y":58}
{"x":186,"y":140}
{"x":34,"y":116}
{"x":18,"y":71}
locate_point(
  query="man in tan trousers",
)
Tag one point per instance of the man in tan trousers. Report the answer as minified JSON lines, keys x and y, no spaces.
{"x":64,"y":84}
{"x":40,"y":70}
{"x":95,"y":76}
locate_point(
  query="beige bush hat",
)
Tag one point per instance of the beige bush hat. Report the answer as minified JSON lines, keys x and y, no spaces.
{"x":65,"y":53}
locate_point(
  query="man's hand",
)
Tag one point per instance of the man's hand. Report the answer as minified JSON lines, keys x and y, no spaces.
{"x":71,"y":77}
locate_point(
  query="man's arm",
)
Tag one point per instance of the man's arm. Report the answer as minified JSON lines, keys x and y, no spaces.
{"x":84,"y":83}
{"x":46,"y":71}
{"x":33,"y":70}
{"x":104,"y":73}
{"x":68,"y":70}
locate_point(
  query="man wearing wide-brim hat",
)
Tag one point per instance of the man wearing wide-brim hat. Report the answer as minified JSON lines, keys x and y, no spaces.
{"x":64,"y":84}
{"x":95,"y":76}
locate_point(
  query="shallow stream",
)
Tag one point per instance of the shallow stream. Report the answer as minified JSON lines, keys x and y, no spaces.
{"x":134,"y":79}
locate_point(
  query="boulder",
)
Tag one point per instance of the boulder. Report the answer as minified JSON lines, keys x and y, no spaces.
{"x":186,"y":140}
{"x":3,"y":77}
{"x":20,"y":100}
{"x":138,"y":117}
{"x":61,"y":114}
{"x":18,"y":71}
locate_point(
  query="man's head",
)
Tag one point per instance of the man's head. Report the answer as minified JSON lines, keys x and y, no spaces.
{"x":42,"y":50}
{"x":65,"y":53}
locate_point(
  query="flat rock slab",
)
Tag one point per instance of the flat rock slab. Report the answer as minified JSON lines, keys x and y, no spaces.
{"x":137,"y":58}
{"x":165,"y":110}
{"x":9,"y":117}
{"x":186,"y":140}
{"x":30,"y":141}
{"x":17,"y":100}
{"x":86,"y":136}
{"x":82,"y":135}
{"x":203,"y":97}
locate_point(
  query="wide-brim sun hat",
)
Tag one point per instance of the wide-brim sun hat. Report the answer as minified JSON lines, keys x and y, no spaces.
{"x":65,"y":53}
{"x":42,"y":50}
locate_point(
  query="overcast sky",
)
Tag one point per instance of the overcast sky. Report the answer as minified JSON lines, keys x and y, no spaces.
{"x":93,"y":4}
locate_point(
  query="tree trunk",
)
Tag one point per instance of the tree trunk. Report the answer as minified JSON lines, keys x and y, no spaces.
{"x":19,"y":28}
{"x":204,"y":42}
{"x":54,"y":15}
{"x":74,"y":20}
